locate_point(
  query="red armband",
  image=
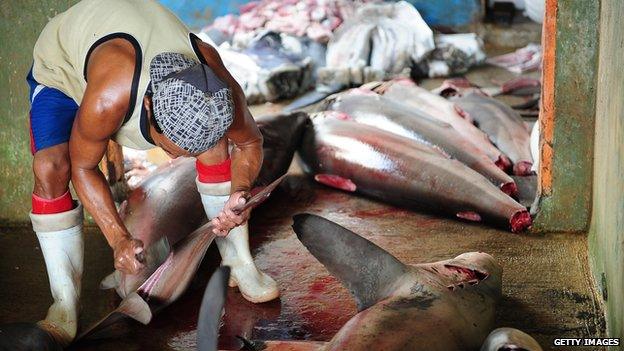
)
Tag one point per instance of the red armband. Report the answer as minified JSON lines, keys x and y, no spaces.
{"x":60,"y":204}
{"x":218,"y":173}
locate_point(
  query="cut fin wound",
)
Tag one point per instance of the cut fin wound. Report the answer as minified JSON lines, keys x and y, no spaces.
{"x":335,"y":181}
{"x":368,"y":271}
{"x":469,"y":216}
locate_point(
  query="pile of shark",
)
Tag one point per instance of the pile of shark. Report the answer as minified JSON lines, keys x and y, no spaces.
{"x":392,"y":141}
{"x":402,"y":144}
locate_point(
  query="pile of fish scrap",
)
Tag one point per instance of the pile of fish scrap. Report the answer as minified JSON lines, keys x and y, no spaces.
{"x":315,"y":19}
{"x":402,"y":144}
{"x":272,"y":66}
{"x":385,"y":40}
{"x":280,"y":49}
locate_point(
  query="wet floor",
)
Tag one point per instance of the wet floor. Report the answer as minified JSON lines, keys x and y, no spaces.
{"x":546,"y":282}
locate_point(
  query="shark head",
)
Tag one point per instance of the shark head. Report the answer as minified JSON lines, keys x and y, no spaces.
{"x":471,"y":269}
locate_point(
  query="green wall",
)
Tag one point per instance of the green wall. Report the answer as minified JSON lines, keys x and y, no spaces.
{"x":20,"y":24}
{"x":606,"y":237}
{"x":565,"y":203}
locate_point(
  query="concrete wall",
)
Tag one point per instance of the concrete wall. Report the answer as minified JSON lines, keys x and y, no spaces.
{"x":570,"y":75}
{"x":606,"y":237}
{"x":20,"y":24}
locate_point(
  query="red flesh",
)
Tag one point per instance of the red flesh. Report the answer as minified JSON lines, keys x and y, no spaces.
{"x":469,"y":216}
{"x":520,"y":221}
{"x":503,"y":163}
{"x":335,"y":182}
{"x":523,"y":168}
{"x":510,"y":189}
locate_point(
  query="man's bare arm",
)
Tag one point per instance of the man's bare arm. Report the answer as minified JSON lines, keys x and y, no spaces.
{"x":247,"y":154}
{"x":101,"y":113}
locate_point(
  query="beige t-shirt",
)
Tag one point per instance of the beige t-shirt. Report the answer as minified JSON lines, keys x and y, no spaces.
{"x":65,"y":43}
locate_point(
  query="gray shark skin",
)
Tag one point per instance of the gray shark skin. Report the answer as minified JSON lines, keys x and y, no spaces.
{"x":282,"y":135}
{"x":418,"y":98}
{"x":446,"y":305}
{"x":173,"y":276}
{"x":211,"y":310}
{"x":504,"y":126}
{"x":390,"y":115}
{"x":153,"y":213}
{"x":357,"y":157}
{"x":510,"y":339}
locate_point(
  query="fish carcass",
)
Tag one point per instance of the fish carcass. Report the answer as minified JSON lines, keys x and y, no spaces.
{"x":453,"y":54}
{"x":172,"y":277}
{"x":389,"y":167}
{"x":528,"y":58}
{"x":380,"y":41}
{"x":267,"y":69}
{"x":446,"y":305}
{"x":390,"y":115}
{"x":420,"y":99}
{"x":504,"y":126}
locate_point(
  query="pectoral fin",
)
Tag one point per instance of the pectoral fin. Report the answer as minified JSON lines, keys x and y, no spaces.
{"x":364,"y":268}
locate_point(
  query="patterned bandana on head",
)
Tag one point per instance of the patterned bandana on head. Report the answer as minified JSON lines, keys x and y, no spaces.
{"x":192,"y":106}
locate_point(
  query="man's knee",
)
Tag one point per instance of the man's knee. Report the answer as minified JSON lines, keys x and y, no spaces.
{"x":52,"y":173}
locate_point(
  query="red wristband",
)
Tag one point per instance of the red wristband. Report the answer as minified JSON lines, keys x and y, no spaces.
{"x":214,"y":173}
{"x":62,"y":203}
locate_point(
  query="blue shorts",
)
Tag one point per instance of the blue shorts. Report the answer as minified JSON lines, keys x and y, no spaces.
{"x":52,"y":115}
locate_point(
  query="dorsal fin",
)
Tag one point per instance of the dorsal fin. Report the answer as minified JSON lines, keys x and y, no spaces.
{"x":364,"y":268}
{"x":211,"y":310}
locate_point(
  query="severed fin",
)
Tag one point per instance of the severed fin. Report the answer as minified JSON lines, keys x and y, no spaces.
{"x":136,"y":308}
{"x":469,"y":216}
{"x":132,"y":306}
{"x":211,"y":310}
{"x":507,"y":339}
{"x":336,"y":181}
{"x":110,"y":281}
{"x":364,"y":268}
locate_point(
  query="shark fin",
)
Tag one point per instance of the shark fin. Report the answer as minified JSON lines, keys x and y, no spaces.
{"x":211,"y":310}
{"x":132,"y":306}
{"x":136,"y":308}
{"x":364,"y":268}
{"x":111,"y":281}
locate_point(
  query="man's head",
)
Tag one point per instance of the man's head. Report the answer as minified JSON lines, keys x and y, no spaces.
{"x":190,"y":107}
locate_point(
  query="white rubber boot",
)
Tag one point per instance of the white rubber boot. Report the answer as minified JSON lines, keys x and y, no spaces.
{"x":254,"y":285}
{"x":61,"y":241}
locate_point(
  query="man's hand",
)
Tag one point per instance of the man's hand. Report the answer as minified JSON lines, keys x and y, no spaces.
{"x":229,"y":218}
{"x":125,"y":255}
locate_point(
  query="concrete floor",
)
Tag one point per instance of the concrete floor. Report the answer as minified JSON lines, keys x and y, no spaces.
{"x":547,"y":286}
